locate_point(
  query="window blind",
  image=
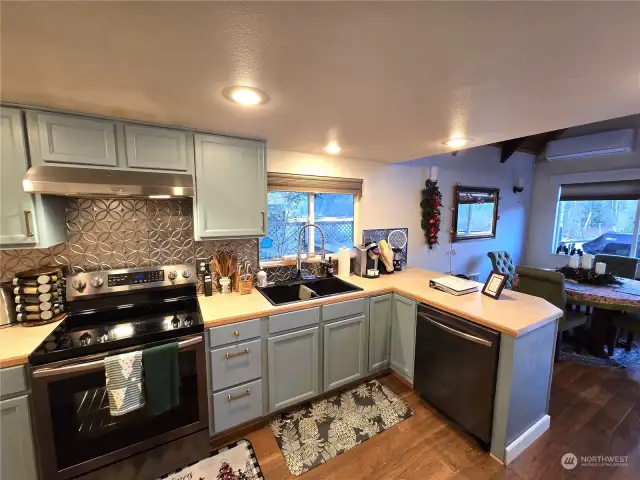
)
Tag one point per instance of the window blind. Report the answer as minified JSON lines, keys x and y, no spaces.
{"x":287,"y":182}
{"x":622,"y":190}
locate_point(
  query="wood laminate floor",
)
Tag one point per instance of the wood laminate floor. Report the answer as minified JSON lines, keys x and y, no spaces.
{"x":594,"y":411}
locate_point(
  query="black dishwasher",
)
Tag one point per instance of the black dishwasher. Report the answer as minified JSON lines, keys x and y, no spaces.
{"x":456,"y":364}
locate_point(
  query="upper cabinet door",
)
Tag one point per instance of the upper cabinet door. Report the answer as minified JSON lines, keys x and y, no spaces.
{"x":17,"y":226}
{"x":68,"y":139}
{"x":158,"y":148}
{"x":231,"y":183}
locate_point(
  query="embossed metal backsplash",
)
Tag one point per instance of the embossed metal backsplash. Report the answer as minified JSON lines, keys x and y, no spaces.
{"x":106,"y":233}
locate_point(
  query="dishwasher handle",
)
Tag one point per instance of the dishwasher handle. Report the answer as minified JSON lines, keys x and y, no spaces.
{"x":458,"y":333}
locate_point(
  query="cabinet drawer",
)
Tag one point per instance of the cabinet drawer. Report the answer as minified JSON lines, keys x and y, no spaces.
{"x":237,"y":405}
{"x":235,"y":332}
{"x":236,"y":364}
{"x":291,"y":320}
{"x":12,"y":380}
{"x":343,"y":309}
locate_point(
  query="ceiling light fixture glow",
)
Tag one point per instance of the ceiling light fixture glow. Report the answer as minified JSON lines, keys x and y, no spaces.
{"x":332,"y":148}
{"x":245,"y":95}
{"x":457,"y":142}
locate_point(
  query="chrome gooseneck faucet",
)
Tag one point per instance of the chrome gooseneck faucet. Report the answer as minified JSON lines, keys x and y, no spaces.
{"x":298,"y":257}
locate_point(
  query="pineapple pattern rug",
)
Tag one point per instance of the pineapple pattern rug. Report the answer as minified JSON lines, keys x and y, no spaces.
{"x":319,"y":431}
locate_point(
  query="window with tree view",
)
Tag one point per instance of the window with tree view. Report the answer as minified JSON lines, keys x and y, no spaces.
{"x":288,"y":211}
{"x":598,"y":226}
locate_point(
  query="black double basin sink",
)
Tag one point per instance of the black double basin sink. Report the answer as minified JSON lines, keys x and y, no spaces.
{"x":289,"y":292}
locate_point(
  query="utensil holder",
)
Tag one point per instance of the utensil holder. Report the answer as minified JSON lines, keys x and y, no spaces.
{"x":225,"y":284}
{"x":245,"y":288}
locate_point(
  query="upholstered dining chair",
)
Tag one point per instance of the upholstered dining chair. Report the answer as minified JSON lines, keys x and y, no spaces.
{"x":503,"y":263}
{"x":550,"y":286}
{"x":619,"y":266}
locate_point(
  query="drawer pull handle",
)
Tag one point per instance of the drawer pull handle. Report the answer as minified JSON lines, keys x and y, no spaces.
{"x":236,"y":333}
{"x":231,"y":355}
{"x":231,"y":398}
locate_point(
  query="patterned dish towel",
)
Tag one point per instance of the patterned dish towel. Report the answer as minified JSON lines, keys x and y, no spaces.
{"x":124,"y":382}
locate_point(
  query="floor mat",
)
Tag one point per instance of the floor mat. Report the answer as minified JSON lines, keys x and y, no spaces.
{"x":620,"y":358}
{"x":235,"y":461}
{"x":321,"y":430}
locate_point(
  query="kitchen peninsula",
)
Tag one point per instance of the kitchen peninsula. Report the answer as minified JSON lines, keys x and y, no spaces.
{"x":382,"y":318}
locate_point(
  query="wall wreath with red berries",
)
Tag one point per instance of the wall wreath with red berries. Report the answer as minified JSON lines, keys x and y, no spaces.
{"x":430,"y":205}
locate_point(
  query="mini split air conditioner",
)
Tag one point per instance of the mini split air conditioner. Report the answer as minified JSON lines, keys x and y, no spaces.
{"x":606,"y":143}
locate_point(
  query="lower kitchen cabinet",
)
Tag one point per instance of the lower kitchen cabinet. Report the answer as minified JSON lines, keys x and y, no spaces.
{"x":379,"y":331}
{"x":403,"y":336}
{"x":16,"y":440}
{"x":293,"y":368}
{"x":345,"y":350}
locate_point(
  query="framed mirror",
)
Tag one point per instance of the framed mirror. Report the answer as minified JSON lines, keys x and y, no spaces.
{"x":475,"y":213}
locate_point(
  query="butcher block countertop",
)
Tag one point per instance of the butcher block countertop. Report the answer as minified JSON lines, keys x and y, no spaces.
{"x":17,"y":342}
{"x":513,"y":313}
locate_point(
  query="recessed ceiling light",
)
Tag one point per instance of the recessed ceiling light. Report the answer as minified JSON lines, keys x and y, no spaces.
{"x":457,"y":142}
{"x":245,"y":95}
{"x":333,"y":148}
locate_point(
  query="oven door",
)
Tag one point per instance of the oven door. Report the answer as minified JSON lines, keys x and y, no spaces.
{"x":76,"y":433}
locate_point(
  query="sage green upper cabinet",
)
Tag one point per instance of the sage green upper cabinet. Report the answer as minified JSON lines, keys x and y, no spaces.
{"x":68,"y":139}
{"x":403,"y":336}
{"x":25,"y":220}
{"x":231,"y":187}
{"x":158,"y":148}
{"x":379,"y":331}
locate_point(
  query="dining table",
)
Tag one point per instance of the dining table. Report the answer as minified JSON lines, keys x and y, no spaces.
{"x":607,"y":301}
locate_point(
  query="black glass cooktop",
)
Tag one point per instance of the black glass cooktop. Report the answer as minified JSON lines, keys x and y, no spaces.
{"x":119,"y":322}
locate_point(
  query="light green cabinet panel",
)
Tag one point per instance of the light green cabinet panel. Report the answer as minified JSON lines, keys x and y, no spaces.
{"x":69,"y":139}
{"x":158,"y":148}
{"x":16,"y":440}
{"x":231,"y":182}
{"x":379,"y":331}
{"x":345,"y":350}
{"x":293,"y":368}
{"x":403,"y":335}
{"x":25,"y":220}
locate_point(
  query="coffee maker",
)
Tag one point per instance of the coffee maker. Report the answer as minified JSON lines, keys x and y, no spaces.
{"x":367,"y":260}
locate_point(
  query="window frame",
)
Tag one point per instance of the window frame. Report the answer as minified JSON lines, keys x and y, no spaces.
{"x":555,"y":241}
{"x":310,"y":256}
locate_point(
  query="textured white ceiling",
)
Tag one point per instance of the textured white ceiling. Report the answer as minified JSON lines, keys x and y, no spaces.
{"x":388,"y":80}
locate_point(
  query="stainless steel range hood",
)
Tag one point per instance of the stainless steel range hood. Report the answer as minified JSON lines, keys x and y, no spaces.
{"x":54,"y":180}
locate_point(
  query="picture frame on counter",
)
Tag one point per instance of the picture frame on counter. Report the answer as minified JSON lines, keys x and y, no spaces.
{"x":494,"y":285}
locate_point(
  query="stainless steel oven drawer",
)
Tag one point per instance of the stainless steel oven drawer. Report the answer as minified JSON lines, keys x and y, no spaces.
{"x":234,"y":332}
{"x":236,"y":364}
{"x":237,"y":405}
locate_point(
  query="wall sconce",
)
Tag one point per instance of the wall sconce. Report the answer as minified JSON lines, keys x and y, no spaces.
{"x":519,"y":187}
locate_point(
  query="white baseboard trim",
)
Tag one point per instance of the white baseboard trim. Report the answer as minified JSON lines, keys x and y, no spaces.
{"x":523,"y":442}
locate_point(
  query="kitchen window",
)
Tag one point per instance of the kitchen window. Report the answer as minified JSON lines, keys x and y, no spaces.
{"x":296,"y":200}
{"x":599,"y":217}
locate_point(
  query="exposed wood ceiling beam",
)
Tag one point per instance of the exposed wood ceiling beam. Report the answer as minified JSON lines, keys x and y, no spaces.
{"x":533,"y":144}
{"x":509,"y":147}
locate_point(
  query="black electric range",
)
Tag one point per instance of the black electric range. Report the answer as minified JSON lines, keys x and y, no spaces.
{"x":112,"y":310}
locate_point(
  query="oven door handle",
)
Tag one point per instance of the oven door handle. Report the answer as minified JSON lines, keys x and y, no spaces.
{"x":97,"y":364}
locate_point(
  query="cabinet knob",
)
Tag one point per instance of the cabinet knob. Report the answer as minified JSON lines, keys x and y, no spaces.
{"x":236,"y":333}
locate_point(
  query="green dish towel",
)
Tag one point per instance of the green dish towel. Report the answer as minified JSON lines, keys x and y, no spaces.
{"x":161,"y":377}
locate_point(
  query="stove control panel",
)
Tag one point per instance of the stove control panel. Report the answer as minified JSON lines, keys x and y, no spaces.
{"x":89,"y":284}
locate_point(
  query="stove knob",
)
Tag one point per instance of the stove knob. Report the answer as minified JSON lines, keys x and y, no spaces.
{"x":175,"y":322}
{"x":186,"y":273}
{"x":172,"y":275}
{"x":103,"y":337}
{"x":85,"y":339}
{"x":97,"y":282}
{"x":79,"y":285}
